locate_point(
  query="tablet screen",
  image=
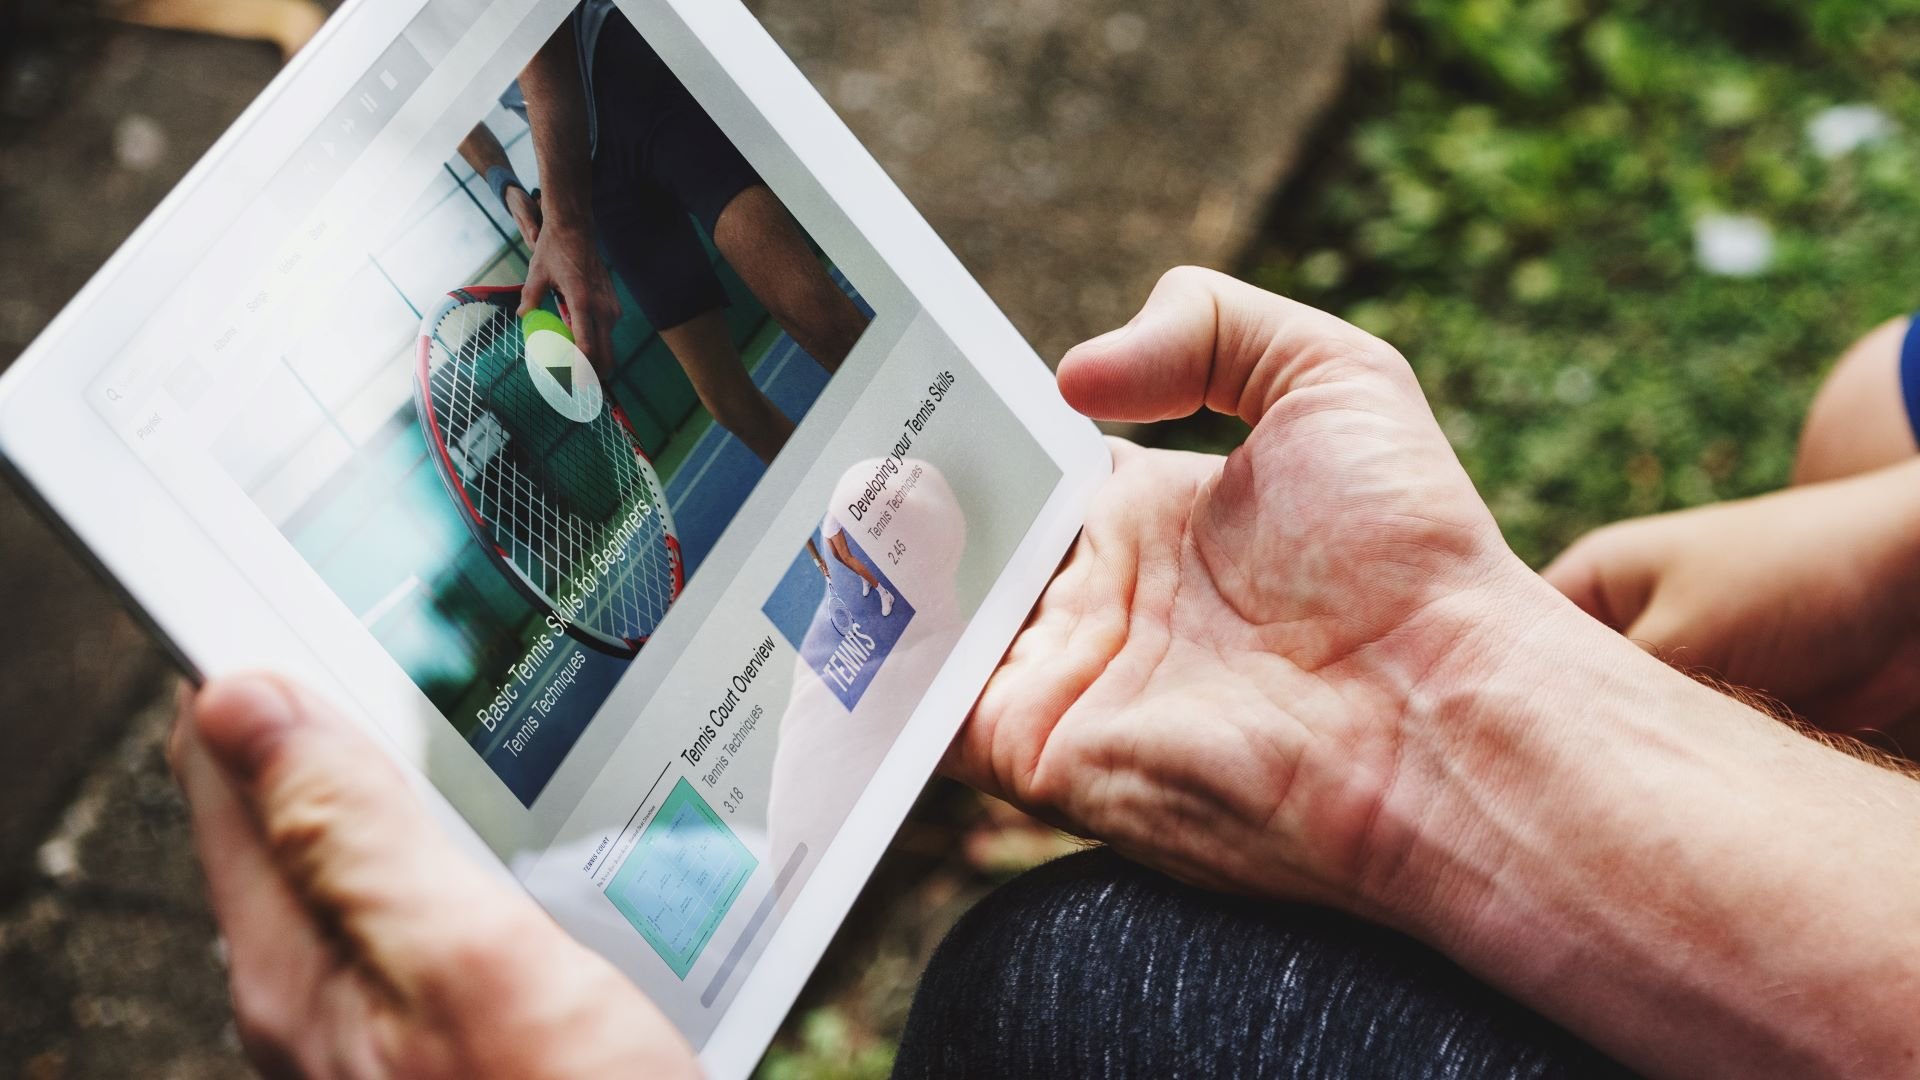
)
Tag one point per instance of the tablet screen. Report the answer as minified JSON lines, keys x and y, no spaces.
{"x":646,"y":562}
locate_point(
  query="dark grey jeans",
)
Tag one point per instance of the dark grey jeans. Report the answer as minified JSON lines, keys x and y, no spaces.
{"x":1092,"y":966}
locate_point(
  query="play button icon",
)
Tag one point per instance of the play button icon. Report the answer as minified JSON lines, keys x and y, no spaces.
{"x":562,"y":375}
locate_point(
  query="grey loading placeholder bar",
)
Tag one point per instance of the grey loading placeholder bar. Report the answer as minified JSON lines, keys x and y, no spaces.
{"x":760,"y":914}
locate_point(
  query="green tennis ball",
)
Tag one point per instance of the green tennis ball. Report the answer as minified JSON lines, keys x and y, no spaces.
{"x":541,"y":319}
{"x":563,"y":457}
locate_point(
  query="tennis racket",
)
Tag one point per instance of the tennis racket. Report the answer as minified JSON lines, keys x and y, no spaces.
{"x":839,"y":614}
{"x":547,"y":473}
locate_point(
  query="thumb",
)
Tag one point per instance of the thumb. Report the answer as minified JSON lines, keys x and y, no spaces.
{"x":1609,"y":574}
{"x":1207,"y":340}
{"x":342,"y":828}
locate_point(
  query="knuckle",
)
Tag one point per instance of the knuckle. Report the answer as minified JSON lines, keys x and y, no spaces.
{"x":1369,"y":353}
{"x":1188,"y":278}
{"x":309,"y":812}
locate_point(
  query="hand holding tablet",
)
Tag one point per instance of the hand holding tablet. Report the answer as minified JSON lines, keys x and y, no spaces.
{"x":659,"y":532}
{"x":1152,"y":616}
{"x":304,"y":845}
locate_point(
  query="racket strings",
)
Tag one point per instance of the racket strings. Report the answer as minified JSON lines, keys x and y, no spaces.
{"x":618,"y":569}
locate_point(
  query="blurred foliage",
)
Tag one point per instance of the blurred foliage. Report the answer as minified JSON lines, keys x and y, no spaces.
{"x":826,"y":1047}
{"x":1509,"y":194}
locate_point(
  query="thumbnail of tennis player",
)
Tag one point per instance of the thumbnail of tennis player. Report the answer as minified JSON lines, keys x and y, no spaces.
{"x":623,"y":144}
{"x":566,"y":371}
{"x":844,"y":629}
{"x":836,"y":537}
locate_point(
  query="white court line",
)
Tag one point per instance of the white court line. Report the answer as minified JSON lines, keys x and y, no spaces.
{"x":390,"y":601}
{"x":777,"y":364}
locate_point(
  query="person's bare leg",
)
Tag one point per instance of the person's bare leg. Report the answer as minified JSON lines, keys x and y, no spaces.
{"x":704,"y":347}
{"x":847,"y":559}
{"x":763,"y":245}
{"x":1858,"y":422}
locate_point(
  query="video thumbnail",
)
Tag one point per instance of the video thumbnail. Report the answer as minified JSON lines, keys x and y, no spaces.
{"x":530,"y":415}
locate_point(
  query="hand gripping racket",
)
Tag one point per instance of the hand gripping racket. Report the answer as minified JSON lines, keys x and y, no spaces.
{"x":546,"y":471}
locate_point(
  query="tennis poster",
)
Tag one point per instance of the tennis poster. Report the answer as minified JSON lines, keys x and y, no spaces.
{"x":846,"y":625}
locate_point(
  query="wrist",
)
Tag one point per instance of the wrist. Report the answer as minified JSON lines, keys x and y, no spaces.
{"x":565,"y":215}
{"x":1897,"y":490}
{"x":1640,"y":857}
{"x":501,"y":180}
{"x":1535,"y":720}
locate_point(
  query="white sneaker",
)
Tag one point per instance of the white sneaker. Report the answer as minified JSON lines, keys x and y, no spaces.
{"x":886,"y":602}
{"x":864,"y":587}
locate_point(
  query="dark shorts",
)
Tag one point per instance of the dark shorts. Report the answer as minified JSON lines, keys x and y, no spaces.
{"x":1910,"y":376}
{"x":661,"y":164}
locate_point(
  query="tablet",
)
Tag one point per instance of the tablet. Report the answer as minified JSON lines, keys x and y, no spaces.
{"x":668,"y":588}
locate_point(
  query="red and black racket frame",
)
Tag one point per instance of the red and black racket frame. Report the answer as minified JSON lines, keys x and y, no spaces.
{"x":507,"y":297}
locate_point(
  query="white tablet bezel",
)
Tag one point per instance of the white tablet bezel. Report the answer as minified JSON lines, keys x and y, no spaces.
{"x":65,"y":453}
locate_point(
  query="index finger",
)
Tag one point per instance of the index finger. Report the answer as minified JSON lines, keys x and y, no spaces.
{"x":534,"y":292}
{"x":342,"y":830}
{"x":1208,"y":340}
{"x":275,"y":949}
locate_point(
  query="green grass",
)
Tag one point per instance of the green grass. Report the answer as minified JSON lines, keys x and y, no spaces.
{"x":1508,"y":193}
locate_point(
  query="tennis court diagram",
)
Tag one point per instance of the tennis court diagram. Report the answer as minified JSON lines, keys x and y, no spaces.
{"x":335,"y":450}
{"x":682,"y":878}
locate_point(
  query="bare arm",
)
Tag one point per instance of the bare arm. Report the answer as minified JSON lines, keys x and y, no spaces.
{"x":1314,"y":670}
{"x":481,"y":150}
{"x":1811,"y":595}
{"x":557,"y":113}
{"x":566,"y":256}
{"x":1693,"y":886}
{"x":483,"y":153}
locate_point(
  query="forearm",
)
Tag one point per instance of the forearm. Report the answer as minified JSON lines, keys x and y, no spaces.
{"x":481,"y":150}
{"x":557,"y":114}
{"x":1871,"y":523}
{"x":1689,"y":884}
